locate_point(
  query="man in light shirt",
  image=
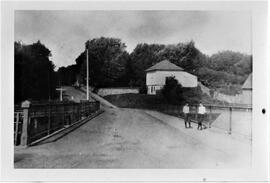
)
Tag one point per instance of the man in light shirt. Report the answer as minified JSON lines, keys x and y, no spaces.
{"x":201,"y":113}
{"x":186,"y":116}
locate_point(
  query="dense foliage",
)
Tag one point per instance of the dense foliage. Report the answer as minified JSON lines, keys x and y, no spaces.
{"x":34,"y":73}
{"x":67,"y":75}
{"x":111,"y":65}
{"x":143,"y":57}
{"x":107,"y":62}
{"x":226,"y":71}
{"x":174,"y":93}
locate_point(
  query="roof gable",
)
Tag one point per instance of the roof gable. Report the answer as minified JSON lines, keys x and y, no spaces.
{"x":248,"y":83}
{"x":164,"y":65}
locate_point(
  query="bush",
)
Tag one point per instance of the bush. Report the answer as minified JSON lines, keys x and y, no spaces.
{"x":143,"y":89}
{"x":174,"y":93}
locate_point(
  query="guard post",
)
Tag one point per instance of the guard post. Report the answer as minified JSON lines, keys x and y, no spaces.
{"x":24,"y":136}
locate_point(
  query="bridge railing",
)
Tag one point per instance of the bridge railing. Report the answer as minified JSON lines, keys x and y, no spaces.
{"x":18,"y":121}
{"x":34,"y":121}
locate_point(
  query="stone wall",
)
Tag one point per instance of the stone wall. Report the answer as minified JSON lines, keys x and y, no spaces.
{"x":115,"y":91}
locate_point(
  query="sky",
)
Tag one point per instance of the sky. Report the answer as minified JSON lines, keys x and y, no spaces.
{"x":65,"y":32}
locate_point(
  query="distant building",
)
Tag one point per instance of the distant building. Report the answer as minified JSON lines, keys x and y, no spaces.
{"x":157,"y":74}
{"x":246,"y":97}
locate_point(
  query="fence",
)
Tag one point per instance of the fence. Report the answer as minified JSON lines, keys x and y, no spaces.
{"x":231,"y":119}
{"x":38,"y":120}
{"x":18,"y":121}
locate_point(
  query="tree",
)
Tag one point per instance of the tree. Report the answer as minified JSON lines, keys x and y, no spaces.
{"x":184,"y":55}
{"x":67,"y":75}
{"x":107,"y":60}
{"x":34,"y":72}
{"x":174,"y":93}
{"x":110,"y":64}
{"x":226,"y":71}
{"x":128,"y":76}
{"x":231,"y":62}
{"x":144,"y":56}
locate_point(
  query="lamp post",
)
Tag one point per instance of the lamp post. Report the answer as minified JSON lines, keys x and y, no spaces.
{"x":87,"y":71}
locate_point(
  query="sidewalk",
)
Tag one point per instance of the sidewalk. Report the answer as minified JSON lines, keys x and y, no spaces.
{"x":213,"y":138}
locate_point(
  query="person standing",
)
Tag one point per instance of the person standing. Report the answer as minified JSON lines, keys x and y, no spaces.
{"x":186,"y":116}
{"x":201,"y":114}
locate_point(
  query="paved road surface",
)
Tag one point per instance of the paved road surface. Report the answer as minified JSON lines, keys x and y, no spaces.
{"x":131,"y":138}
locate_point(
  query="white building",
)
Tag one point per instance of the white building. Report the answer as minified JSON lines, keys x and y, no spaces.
{"x":157,"y":74}
{"x":246,"y":97}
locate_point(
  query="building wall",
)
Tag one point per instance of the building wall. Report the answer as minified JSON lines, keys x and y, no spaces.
{"x":159,"y":78}
{"x":115,"y":91}
{"x":156,"y":80}
{"x":152,"y":89}
{"x":246,"y":97}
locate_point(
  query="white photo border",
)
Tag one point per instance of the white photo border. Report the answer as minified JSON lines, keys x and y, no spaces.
{"x":260,"y":125}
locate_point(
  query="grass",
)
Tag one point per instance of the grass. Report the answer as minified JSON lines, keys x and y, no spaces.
{"x":144,"y":101}
{"x":134,"y":100}
{"x":152,"y":102}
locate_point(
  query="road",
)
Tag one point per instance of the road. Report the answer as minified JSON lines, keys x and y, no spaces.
{"x":132,"y":138}
{"x":77,"y":95}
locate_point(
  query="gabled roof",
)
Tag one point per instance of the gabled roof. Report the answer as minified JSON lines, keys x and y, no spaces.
{"x":164,"y":65}
{"x":248,"y":83}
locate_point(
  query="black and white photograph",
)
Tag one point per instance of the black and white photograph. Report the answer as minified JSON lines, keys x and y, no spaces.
{"x":133,"y":89}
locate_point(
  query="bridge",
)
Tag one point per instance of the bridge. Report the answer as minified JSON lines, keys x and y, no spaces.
{"x":134,"y":138}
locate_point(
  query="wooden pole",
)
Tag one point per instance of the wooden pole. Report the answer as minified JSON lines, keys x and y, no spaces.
{"x":87,"y":74}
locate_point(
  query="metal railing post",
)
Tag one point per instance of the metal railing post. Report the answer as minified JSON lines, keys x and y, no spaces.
{"x":230,"y":121}
{"x":210,"y":116}
{"x":49,"y":119}
{"x":72,"y":118}
{"x":16,"y":127}
{"x":196,"y":114}
{"x":24,"y":136}
{"x":79,"y":110}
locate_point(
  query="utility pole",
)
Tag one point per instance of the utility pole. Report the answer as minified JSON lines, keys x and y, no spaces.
{"x":87,"y":72}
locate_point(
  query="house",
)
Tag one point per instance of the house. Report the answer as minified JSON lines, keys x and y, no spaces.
{"x":246,"y":97}
{"x":157,"y":74}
